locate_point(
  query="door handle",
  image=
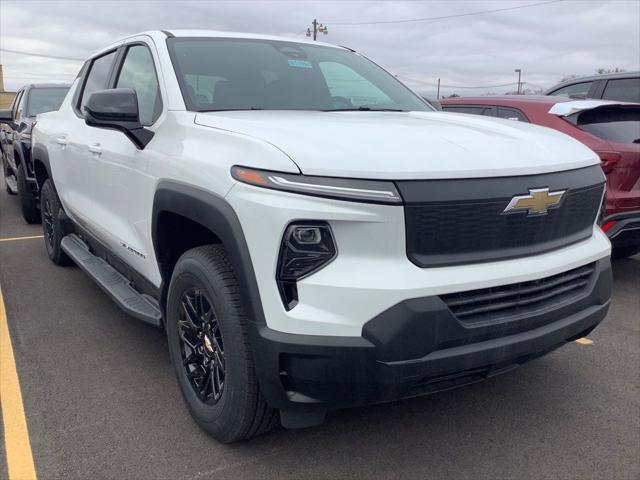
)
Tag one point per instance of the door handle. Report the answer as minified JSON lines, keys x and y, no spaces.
{"x":61,"y":141}
{"x":95,"y":149}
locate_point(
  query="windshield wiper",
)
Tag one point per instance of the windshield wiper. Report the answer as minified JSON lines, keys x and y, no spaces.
{"x":364,"y":109}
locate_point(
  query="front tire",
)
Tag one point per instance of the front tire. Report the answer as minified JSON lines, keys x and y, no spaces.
{"x":210,"y":349}
{"x":28,"y":201}
{"x":50,"y":208}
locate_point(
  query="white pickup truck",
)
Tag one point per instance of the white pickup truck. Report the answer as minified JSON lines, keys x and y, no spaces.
{"x":311,"y":234}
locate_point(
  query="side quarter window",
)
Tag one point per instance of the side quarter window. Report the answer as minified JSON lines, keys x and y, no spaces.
{"x":97,"y":78}
{"x":138,"y":72}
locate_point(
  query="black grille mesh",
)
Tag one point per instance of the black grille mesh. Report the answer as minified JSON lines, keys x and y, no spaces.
{"x":474,"y":231}
{"x":497,"y":303}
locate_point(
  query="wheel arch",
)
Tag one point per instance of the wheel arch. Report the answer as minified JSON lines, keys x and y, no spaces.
{"x":174,"y":200}
{"x":41,"y":165}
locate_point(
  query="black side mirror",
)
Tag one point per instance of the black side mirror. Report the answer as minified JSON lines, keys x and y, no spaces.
{"x":117,"y":109}
{"x":6,"y":116}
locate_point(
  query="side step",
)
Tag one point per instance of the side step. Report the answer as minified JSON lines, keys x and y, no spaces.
{"x":116,"y":285}
{"x":12,"y":183}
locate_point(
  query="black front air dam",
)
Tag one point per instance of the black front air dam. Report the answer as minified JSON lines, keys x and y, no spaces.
{"x":414,"y":348}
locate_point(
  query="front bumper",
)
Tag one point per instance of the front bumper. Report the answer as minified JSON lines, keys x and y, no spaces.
{"x":414,"y":348}
{"x":625,"y":231}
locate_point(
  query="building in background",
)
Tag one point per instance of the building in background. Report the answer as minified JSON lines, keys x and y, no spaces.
{"x":5,"y":97}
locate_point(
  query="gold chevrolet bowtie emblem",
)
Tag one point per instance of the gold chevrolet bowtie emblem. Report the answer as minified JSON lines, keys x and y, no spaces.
{"x":538,"y":202}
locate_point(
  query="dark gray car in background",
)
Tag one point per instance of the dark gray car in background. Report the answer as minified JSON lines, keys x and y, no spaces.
{"x":15,"y":141}
{"x":621,"y":87}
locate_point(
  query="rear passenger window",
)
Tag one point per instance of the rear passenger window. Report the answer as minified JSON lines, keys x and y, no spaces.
{"x":511,"y":114}
{"x":623,"y":90}
{"x":576,"y":89}
{"x":486,"y":111}
{"x":97,"y":78}
{"x":138,"y":72}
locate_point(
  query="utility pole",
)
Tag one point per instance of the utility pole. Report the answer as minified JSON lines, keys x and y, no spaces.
{"x":438,"y":94}
{"x":519,"y":72}
{"x":317,"y":27}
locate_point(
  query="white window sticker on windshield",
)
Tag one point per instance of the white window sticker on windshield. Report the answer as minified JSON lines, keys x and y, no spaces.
{"x":299,"y":63}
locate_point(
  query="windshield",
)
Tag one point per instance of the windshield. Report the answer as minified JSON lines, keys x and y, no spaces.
{"x":242,"y":74}
{"x":45,"y":100}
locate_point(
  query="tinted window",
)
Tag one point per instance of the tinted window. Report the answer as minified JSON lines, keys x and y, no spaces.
{"x":98,"y":77}
{"x":231,"y":74}
{"x":487,"y":111}
{"x":623,"y":90}
{"x":45,"y":100}
{"x":16,"y":101}
{"x":576,"y":89}
{"x":19,"y":107}
{"x":138,"y":72}
{"x":511,"y":114}
{"x":614,"y":124}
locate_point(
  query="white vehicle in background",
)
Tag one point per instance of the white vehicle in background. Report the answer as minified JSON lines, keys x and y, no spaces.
{"x":310,"y":233}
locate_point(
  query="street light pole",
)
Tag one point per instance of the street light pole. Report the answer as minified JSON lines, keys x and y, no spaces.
{"x":519,"y":72}
{"x":317,"y":27}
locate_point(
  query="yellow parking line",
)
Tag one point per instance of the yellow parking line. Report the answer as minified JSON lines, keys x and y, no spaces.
{"x":13,"y":239}
{"x":584,"y":341}
{"x":16,"y":436}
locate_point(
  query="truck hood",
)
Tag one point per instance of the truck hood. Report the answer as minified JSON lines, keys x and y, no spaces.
{"x":406,"y":145}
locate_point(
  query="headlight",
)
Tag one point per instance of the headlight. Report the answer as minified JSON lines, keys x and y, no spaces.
{"x":354,"y":190}
{"x":307,"y":246}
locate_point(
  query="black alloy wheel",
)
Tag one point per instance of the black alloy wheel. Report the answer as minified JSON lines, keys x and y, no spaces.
{"x":202,"y":348}
{"x":52,"y":228}
{"x":47,"y":224}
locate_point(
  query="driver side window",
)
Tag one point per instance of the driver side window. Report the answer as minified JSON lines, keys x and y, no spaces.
{"x":97,"y":77}
{"x":138,"y":73}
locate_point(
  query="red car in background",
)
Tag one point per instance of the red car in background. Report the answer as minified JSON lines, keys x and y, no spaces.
{"x":611,"y":129}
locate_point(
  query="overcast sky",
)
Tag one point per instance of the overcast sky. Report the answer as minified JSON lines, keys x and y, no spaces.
{"x":546,"y":41}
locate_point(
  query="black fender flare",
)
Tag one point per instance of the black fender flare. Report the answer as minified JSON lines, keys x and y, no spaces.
{"x":39,"y":154}
{"x":215,"y":214}
{"x":20,"y":160}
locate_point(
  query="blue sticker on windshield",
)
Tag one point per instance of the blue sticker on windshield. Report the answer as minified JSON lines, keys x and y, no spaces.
{"x":299,"y":63}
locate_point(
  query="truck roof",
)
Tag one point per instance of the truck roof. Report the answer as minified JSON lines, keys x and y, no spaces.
{"x":161,"y":35}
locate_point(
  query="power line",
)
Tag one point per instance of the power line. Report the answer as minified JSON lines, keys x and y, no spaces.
{"x":31,"y":54}
{"x":429,"y":19}
{"x":457,"y":86}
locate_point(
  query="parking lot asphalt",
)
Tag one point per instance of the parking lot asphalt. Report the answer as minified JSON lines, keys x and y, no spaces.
{"x":101,"y":400}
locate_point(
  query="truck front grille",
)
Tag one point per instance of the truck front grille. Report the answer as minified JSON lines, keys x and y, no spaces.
{"x":454,"y":222}
{"x":493,"y":304}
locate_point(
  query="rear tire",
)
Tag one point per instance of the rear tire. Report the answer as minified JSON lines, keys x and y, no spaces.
{"x":50,"y":209}
{"x":230,"y":407}
{"x":28,"y":201}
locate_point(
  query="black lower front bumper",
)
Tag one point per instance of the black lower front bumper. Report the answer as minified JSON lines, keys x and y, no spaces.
{"x":414,"y":348}
{"x":625,"y":229}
